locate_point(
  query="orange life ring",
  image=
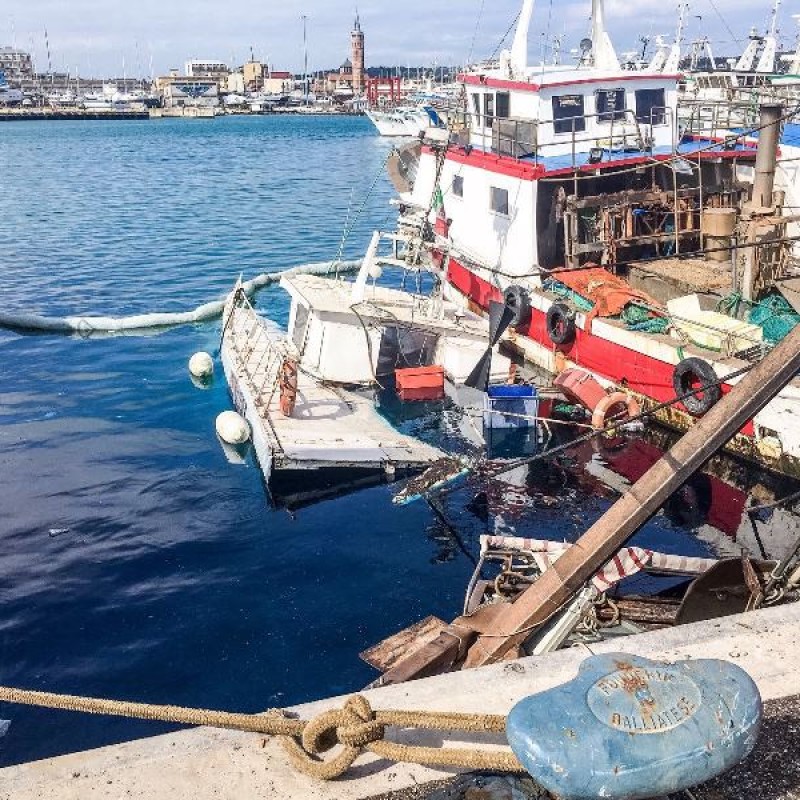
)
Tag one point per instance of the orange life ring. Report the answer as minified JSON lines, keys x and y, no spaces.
{"x":288,"y":387}
{"x":607,"y":403}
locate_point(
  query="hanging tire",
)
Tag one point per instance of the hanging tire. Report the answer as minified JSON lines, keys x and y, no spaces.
{"x":693,"y":373}
{"x":518,"y":302}
{"x":560,"y":324}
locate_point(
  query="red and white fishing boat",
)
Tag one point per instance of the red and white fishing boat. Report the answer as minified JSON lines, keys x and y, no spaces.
{"x":569,"y":194}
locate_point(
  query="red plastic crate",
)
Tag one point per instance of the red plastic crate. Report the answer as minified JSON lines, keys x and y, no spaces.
{"x":420,"y":383}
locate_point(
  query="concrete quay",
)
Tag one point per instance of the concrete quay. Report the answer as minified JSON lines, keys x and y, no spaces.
{"x":202,"y":764}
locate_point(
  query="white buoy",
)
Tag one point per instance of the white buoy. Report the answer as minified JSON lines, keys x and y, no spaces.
{"x":375,"y":272}
{"x":201,"y":365}
{"x":232,"y":428}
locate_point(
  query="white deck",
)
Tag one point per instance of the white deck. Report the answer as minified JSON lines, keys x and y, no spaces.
{"x":329,"y":428}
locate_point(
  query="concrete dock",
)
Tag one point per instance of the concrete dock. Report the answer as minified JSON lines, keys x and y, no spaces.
{"x":203,"y":764}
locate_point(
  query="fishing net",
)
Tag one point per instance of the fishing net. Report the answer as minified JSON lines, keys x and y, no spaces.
{"x":565,"y":293}
{"x":641,"y":320}
{"x":775,"y":316}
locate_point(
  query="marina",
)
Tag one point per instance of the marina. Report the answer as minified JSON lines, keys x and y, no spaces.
{"x":488,"y":431}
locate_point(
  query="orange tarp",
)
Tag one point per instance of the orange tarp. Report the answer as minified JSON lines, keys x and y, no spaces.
{"x":609,"y":293}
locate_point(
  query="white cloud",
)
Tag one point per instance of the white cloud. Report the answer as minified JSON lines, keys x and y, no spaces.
{"x":97,"y":36}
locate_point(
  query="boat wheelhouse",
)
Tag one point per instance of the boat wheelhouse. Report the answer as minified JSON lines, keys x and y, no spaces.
{"x":554,"y":172}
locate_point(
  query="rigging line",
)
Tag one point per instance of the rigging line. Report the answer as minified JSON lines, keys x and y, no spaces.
{"x":505,"y":36}
{"x":546,"y":38}
{"x":475,"y":32}
{"x":725,"y":23}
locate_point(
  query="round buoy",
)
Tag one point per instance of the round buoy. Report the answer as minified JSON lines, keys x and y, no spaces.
{"x":232,"y":428}
{"x":201,"y":365}
{"x":375,"y":272}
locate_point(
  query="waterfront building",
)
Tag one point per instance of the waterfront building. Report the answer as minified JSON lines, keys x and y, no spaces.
{"x":384,"y":92}
{"x":17,"y":65}
{"x":180,"y":91}
{"x":260,"y":77}
{"x":200,"y":68}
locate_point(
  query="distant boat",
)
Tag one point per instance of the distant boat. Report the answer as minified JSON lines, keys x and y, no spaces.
{"x":9,"y":96}
{"x":405,"y":121}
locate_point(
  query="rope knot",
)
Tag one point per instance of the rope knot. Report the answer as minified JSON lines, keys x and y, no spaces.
{"x":362,"y":728}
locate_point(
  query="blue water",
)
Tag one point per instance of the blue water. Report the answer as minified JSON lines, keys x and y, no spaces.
{"x":135,"y":561}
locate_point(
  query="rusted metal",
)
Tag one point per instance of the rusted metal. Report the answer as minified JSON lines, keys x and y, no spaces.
{"x":649,"y":611}
{"x":723,"y":590}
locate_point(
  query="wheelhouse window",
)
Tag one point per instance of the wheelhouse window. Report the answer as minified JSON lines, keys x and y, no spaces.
{"x":458,"y":186}
{"x":488,"y":110}
{"x":650,"y":107}
{"x":568,"y":113}
{"x":476,"y":106}
{"x":503,"y":103}
{"x":610,"y":105}
{"x":500,"y":201}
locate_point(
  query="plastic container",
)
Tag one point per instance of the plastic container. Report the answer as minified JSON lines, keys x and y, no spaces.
{"x":420,"y":383}
{"x":509,"y":407}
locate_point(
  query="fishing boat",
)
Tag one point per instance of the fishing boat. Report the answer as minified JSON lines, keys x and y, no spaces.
{"x":569,"y":195}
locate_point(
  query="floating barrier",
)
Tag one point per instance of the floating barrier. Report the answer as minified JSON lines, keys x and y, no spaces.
{"x":87,"y":326}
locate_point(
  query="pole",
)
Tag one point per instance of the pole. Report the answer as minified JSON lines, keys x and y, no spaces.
{"x":305,"y":57}
{"x":766,"y":158}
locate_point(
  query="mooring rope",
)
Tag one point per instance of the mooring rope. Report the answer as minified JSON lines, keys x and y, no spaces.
{"x":356,"y":728}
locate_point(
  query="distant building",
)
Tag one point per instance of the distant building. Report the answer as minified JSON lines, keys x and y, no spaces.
{"x":16,"y":64}
{"x":260,"y":77}
{"x":198,"y":68}
{"x":181,"y":91}
{"x":350,"y":79}
{"x":357,"y":39}
{"x":384,"y":92}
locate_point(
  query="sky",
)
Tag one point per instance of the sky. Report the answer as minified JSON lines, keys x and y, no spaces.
{"x":105,"y":38}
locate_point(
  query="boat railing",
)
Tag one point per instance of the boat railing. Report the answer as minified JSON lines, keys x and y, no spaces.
{"x":533,"y":140}
{"x":258,"y":352}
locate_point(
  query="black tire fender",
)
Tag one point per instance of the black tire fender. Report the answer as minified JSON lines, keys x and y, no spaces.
{"x":519,"y":303}
{"x":689,"y":374}
{"x":560,"y":324}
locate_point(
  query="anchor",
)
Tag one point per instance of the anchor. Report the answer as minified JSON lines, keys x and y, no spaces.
{"x":629,"y":728}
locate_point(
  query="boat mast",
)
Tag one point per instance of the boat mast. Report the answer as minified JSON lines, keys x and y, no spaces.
{"x":519,"y":49}
{"x":768,"y":55}
{"x":605,"y":57}
{"x":304,"y":17}
{"x":673,"y":63}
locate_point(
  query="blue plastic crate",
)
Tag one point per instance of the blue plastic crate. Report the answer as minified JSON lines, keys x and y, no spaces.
{"x":510,"y":407}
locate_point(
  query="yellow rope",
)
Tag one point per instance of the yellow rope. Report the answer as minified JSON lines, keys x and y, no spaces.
{"x":355,"y":728}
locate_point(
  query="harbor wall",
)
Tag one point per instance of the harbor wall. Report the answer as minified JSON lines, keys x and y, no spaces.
{"x":202,"y":763}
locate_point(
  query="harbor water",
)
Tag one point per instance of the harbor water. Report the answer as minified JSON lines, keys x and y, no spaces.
{"x":136,"y":562}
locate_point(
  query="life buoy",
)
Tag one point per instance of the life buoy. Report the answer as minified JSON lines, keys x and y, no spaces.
{"x":560,"y":324}
{"x":693,"y":373}
{"x":288,"y":387}
{"x":612,"y":401}
{"x":518,"y":302}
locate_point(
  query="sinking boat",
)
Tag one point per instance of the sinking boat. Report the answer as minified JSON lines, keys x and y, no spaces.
{"x":300,"y":422}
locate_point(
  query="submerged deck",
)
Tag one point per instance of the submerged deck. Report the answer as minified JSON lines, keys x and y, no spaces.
{"x":330,"y":427}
